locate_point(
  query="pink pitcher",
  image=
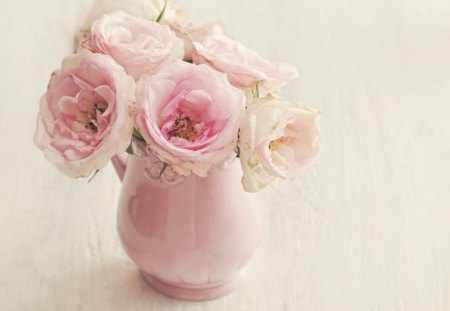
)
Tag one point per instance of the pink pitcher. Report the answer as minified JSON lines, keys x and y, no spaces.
{"x":190,"y":236}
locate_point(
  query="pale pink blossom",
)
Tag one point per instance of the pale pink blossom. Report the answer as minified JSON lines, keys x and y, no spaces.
{"x":140,"y":46}
{"x":162,"y":11}
{"x":84,"y":116}
{"x":190,"y":116}
{"x":244,"y":67}
{"x":144,"y":9}
{"x":277,"y":140}
{"x":190,"y":34}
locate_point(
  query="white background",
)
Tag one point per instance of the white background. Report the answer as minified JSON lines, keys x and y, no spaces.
{"x":367,"y":228}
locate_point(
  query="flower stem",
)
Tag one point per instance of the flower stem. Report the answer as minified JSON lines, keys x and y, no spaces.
{"x":161,"y":15}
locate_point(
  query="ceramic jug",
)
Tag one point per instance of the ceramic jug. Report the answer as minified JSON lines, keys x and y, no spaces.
{"x":189,"y":236}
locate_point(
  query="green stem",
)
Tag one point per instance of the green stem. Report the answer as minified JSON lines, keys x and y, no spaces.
{"x":161,"y":15}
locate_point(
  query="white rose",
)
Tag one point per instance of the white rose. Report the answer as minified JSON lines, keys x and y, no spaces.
{"x":277,"y":140}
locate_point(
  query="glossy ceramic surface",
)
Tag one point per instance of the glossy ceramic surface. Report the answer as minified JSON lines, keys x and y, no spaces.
{"x":190,"y":236}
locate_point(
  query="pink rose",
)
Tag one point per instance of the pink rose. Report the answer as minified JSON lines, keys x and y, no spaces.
{"x":190,"y":116}
{"x":243,"y":67}
{"x":163,"y":11}
{"x":277,"y":140}
{"x":140,"y":46}
{"x":190,"y":34}
{"x":84,"y":116}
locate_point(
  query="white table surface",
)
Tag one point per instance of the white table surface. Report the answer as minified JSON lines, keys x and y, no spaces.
{"x":367,"y":228}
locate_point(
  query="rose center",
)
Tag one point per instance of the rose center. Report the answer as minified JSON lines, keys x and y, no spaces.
{"x":274,"y":144}
{"x":184,"y":128}
{"x":91,"y":117}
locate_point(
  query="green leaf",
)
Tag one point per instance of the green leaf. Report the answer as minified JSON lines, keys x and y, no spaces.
{"x":161,"y":15}
{"x":93,"y":175}
{"x":163,"y":169}
{"x":138,"y":135}
{"x":130,"y":149}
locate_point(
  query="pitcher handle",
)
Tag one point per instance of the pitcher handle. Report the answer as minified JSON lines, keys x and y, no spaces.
{"x":119,"y":162}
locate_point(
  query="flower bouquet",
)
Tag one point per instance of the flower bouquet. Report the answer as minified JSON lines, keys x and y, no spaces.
{"x":192,"y":94}
{"x":148,"y":82}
